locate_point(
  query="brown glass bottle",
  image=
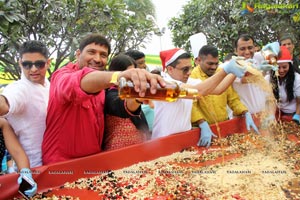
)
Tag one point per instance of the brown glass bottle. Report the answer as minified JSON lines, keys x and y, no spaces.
{"x":270,"y":56}
{"x":170,"y":93}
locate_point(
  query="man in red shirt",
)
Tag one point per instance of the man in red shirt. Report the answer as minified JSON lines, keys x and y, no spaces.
{"x":75,"y":119}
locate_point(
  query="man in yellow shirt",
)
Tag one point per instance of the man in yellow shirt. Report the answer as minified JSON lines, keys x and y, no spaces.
{"x":212,"y":108}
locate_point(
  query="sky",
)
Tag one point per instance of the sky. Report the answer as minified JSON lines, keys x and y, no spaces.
{"x":165,"y":10}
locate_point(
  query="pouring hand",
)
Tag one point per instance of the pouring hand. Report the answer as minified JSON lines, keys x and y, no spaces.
{"x":265,"y":66}
{"x":274,"y":47}
{"x":233,"y":67}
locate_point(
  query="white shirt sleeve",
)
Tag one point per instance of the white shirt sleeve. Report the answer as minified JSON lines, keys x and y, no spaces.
{"x":16,"y":97}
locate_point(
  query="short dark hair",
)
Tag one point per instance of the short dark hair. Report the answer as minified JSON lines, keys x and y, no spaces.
{"x":208,"y":50}
{"x":94,"y":38}
{"x":34,"y":46}
{"x":285,"y":37}
{"x":182,"y":56}
{"x":121,"y":62}
{"x":244,"y":37}
{"x":135,"y":54}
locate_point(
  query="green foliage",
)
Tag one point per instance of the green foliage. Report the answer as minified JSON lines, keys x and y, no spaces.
{"x":223,"y":21}
{"x":10,"y":28}
{"x":62,"y":23}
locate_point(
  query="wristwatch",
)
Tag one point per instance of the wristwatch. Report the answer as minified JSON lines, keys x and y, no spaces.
{"x":114,"y":78}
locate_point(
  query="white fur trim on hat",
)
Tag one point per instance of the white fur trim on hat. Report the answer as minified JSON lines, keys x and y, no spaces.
{"x":284,"y":61}
{"x":175,"y":56}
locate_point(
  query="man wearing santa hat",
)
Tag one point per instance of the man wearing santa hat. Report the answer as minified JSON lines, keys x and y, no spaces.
{"x":174,"y":117}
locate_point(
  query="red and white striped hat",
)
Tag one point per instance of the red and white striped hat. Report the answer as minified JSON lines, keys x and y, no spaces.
{"x":169,"y":56}
{"x":284,"y":55}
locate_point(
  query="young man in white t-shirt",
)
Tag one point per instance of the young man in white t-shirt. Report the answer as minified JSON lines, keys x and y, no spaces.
{"x":24,"y":103}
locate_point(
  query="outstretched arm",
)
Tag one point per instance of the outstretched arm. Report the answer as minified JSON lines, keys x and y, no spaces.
{"x":13,"y":146}
{"x":208,"y":86}
{"x":227,"y":81}
{"x":96,"y":81}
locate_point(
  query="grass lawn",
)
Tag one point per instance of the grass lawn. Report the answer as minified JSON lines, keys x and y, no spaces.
{"x":153,"y":60}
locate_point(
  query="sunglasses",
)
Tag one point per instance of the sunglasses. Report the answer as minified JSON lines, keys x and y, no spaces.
{"x":185,"y":70}
{"x":38,"y":64}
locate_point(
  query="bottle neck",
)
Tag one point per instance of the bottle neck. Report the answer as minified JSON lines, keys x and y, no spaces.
{"x":188,"y":93}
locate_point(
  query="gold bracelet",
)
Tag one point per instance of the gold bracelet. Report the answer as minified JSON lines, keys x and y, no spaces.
{"x":114,"y":78}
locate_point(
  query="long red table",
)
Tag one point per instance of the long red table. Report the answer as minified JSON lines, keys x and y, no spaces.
{"x":55,"y":175}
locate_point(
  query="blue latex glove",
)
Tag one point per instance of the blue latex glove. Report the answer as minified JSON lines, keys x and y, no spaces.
{"x":250,"y":122}
{"x":267,"y":121}
{"x":274,"y":46}
{"x":296,"y":118}
{"x":234,"y":68}
{"x":27,"y":172}
{"x":265,"y":66}
{"x":205,"y":134}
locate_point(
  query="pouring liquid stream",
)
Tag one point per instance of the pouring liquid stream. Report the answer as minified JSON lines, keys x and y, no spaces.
{"x":283,"y":134}
{"x":213,"y":114}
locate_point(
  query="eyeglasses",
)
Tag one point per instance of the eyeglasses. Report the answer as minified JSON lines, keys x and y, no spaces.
{"x":185,"y":70}
{"x":38,"y":64}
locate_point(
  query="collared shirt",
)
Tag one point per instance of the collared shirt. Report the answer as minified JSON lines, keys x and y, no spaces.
{"x":171,"y":117}
{"x":212,"y":108}
{"x":251,"y":94}
{"x":27,"y":115}
{"x":75,"y":119}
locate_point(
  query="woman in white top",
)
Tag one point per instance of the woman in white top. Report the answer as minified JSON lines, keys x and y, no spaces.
{"x":286,"y":87}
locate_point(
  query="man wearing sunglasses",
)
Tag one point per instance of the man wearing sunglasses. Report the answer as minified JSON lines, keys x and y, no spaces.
{"x":24,"y":103}
{"x":175,"y":117}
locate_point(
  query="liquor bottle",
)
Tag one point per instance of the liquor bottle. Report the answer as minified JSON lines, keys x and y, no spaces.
{"x":270,"y":56}
{"x":171,"y":92}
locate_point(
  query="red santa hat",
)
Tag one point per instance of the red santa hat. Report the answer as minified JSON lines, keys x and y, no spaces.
{"x":284,"y":55}
{"x":169,"y":56}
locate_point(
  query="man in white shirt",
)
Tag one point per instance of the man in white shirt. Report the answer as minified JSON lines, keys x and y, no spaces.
{"x":250,"y":94}
{"x":259,"y":100}
{"x":175,"y":117}
{"x":24,"y":102}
